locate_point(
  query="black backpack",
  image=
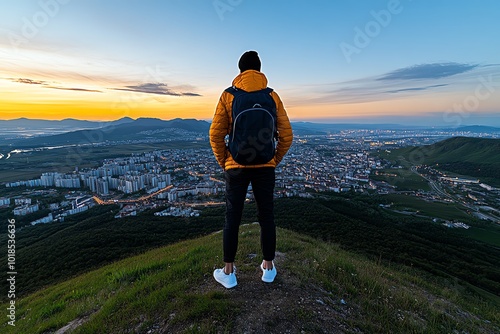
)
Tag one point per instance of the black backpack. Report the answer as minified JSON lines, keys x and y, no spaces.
{"x":252,"y":140}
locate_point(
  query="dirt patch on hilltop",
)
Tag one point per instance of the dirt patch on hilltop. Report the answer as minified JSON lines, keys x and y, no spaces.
{"x":285,"y":306}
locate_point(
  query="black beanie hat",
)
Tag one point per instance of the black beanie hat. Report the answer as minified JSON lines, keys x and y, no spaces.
{"x":249,"y":61}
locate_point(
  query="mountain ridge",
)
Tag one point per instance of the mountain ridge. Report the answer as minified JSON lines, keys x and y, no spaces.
{"x":121,"y":131}
{"x":308,"y":127}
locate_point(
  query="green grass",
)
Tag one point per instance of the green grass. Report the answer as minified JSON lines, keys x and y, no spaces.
{"x":403,"y":179}
{"x":172,"y":286}
{"x":489,"y":234}
{"x":154,"y":284}
{"x":432,"y":209}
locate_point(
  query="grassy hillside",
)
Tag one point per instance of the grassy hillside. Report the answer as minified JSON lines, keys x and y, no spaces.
{"x":55,"y":252}
{"x":171,"y":290}
{"x":466,"y":149}
{"x":477,"y":157}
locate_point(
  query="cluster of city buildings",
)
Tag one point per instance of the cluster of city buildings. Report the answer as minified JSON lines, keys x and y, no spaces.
{"x":74,"y":203}
{"x":127,"y":175}
{"x":57,"y":180}
{"x":178,"y":212}
{"x":451,"y":224}
{"x":325,"y":167}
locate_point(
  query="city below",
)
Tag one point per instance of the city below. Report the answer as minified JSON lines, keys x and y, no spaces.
{"x":181,"y":180}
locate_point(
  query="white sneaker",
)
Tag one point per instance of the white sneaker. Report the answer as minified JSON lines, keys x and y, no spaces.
{"x":227,"y":281}
{"x":268,"y":276}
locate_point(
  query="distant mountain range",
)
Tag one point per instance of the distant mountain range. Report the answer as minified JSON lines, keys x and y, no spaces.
{"x":36,"y":132}
{"x":123,"y":129}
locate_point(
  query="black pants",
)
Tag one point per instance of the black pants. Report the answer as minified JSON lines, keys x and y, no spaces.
{"x":237,"y":181}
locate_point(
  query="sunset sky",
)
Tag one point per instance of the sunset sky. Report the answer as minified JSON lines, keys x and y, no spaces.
{"x":367,"y":61}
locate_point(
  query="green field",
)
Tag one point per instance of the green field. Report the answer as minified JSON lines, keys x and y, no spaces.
{"x":403,"y":179}
{"x":425,"y":208}
{"x":485,"y":232}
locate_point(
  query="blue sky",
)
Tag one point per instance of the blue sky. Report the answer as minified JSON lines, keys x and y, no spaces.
{"x":364,"y":61}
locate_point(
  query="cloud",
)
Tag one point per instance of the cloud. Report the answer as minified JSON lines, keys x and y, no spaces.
{"x":415,"y":88}
{"x":28,"y":81}
{"x":45,"y":84}
{"x":76,"y":89}
{"x":428,"y":71}
{"x":156,"y":88}
{"x":190,"y":94}
{"x":147,"y":88}
{"x":406,"y":82}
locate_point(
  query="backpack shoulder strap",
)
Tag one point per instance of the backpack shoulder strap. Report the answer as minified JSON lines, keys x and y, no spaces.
{"x":236,"y":91}
{"x":267,"y":90}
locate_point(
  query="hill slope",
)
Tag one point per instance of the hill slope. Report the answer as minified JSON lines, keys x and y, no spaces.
{"x":171,"y":290}
{"x":477,"y":157}
{"x":53,"y":253}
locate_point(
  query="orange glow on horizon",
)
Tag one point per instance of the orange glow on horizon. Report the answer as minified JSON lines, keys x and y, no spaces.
{"x":93,"y":111}
{"x":36,"y":102}
{"x":39,"y":102}
{"x":201,"y":109}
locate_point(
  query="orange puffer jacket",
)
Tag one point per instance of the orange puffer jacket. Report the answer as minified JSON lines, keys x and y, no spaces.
{"x":249,"y":81}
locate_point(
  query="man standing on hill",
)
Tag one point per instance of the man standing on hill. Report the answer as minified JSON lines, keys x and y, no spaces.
{"x":253,"y":117}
